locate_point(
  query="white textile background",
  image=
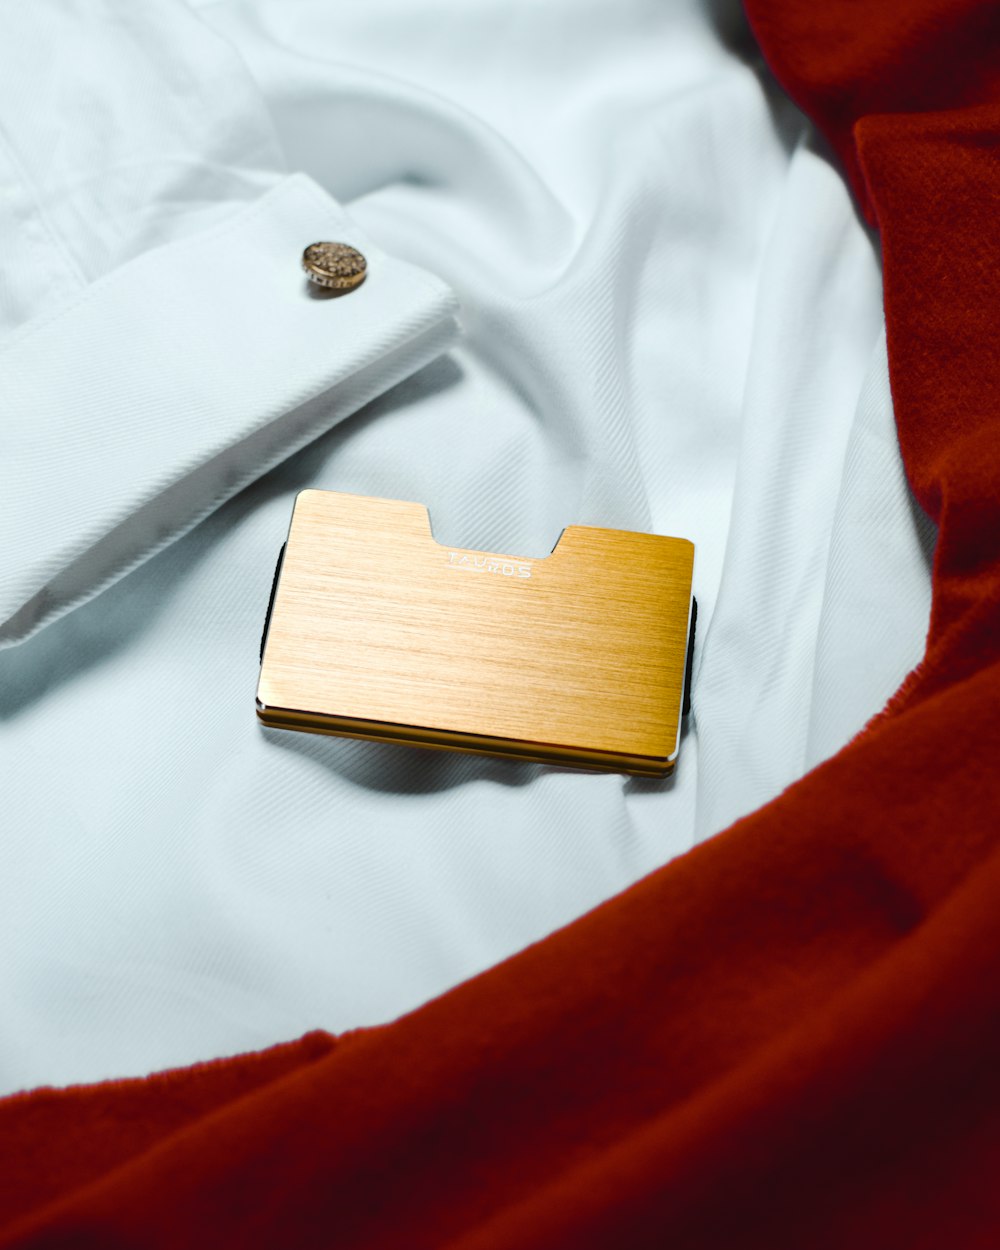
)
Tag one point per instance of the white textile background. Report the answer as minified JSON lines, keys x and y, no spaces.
{"x":671,"y":320}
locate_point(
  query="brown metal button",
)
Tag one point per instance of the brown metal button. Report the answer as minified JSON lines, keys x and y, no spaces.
{"x":334,"y":265}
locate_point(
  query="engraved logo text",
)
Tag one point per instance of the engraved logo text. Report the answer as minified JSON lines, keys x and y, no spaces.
{"x":488,"y":564}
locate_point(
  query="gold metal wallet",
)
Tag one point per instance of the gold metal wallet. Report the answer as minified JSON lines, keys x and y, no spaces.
{"x":375,"y":630}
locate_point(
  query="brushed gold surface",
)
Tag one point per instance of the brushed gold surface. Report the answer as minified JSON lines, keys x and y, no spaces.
{"x":378,"y":631}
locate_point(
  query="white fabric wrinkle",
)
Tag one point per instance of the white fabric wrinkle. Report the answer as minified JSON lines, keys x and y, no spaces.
{"x":877,"y":590}
{"x":761,"y":638}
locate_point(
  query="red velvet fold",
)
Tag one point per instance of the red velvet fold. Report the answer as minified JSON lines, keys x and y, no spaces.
{"x":788,"y":1037}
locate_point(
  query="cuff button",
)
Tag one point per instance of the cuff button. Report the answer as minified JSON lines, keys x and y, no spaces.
{"x":336,"y":266}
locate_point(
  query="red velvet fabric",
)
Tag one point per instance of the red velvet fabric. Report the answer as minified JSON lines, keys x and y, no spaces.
{"x":787,"y":1038}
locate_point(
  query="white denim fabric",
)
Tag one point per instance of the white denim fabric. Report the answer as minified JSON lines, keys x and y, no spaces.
{"x":670,"y":321}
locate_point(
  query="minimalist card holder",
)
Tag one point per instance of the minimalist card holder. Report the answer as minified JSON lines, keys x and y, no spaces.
{"x":375,"y":630}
